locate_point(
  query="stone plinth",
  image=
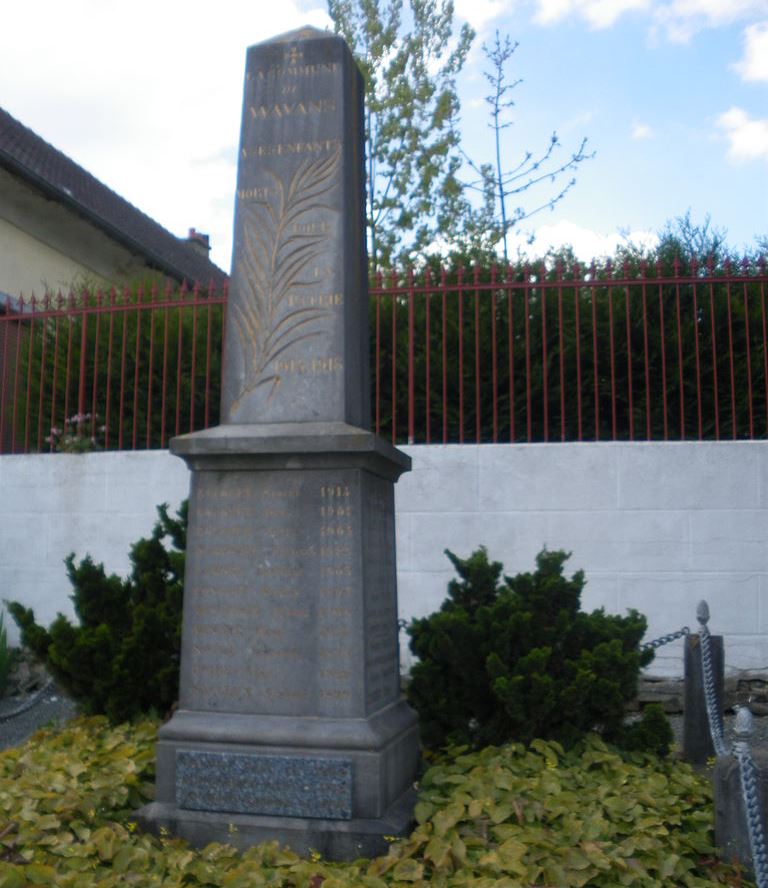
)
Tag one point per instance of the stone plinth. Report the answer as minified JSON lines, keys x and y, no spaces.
{"x":290,"y":722}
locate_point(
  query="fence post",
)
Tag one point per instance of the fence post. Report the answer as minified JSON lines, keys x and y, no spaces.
{"x":739,"y":801}
{"x":697,"y":740}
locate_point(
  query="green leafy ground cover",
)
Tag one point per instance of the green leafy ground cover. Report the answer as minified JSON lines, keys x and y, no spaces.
{"x":506,"y":817}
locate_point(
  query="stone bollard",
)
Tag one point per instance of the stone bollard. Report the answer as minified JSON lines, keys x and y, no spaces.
{"x":697,"y":739}
{"x":731,"y":830}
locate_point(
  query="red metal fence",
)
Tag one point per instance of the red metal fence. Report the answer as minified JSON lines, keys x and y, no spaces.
{"x":114,"y":370}
{"x":523,"y":354}
{"x":541,"y":354}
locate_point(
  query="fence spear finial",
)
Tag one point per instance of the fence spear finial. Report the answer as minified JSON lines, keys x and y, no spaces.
{"x":702,"y":612}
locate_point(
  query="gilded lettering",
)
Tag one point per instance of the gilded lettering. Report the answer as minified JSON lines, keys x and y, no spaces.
{"x":322,"y":300}
{"x":340,"y":530}
{"x":338,"y":592}
{"x":334,"y":550}
{"x":335,"y":612}
{"x":335,"y":695}
{"x":288,"y":148}
{"x":336,"y":570}
{"x":298,"y":613}
{"x":295,"y":70}
{"x":202,"y":648}
{"x":335,"y":674}
{"x":287,"y":109}
{"x":291,"y":366}
{"x":326,"y":365}
{"x":253,"y":193}
{"x":311,"y":228}
{"x":336,"y":511}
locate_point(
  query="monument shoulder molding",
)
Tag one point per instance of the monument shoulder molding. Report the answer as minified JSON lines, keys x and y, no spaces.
{"x":233,"y":728}
{"x":271,"y":444}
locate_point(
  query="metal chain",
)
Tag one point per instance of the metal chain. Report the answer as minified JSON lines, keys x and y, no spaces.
{"x":665,"y":639}
{"x":28,"y":704}
{"x":750,"y":792}
{"x":714,"y":715}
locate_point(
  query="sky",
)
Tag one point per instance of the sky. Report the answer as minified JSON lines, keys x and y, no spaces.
{"x":672,"y":96}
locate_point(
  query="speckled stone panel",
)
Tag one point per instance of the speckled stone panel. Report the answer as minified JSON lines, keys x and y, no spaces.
{"x":280,"y":786}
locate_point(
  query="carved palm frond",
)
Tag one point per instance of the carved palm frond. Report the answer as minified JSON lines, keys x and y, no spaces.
{"x":273,"y":262}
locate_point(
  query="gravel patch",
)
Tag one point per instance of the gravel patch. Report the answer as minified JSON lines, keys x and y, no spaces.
{"x":22,"y":715}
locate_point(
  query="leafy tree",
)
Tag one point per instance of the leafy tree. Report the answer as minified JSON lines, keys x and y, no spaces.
{"x":500,"y":186}
{"x":682,"y":243}
{"x":409,"y":64}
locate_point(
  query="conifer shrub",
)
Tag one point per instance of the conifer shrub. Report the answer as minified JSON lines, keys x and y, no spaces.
{"x":8,"y":657}
{"x":122,"y":660}
{"x":516,"y":659}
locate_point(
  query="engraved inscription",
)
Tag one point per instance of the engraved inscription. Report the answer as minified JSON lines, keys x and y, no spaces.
{"x":294,"y":70}
{"x":270,"y":595}
{"x":290,"y":148}
{"x":328,"y":300}
{"x":253,"y":193}
{"x":286,"y":109}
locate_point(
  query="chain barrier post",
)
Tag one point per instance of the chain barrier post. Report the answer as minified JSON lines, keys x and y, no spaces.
{"x":704,"y":665}
{"x":740,"y":782}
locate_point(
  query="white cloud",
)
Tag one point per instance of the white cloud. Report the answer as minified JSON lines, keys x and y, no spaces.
{"x":587,"y":243}
{"x":641,"y":131}
{"x":154,"y":112}
{"x":747,"y":136}
{"x":754,"y":64}
{"x":480,"y":12}
{"x":681,"y":19}
{"x":678,"y":19}
{"x":597,"y":13}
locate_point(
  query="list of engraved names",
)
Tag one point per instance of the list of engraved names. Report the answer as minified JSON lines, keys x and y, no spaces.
{"x":269,"y":592}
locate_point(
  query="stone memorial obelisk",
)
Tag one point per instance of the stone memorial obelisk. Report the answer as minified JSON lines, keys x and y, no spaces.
{"x":291,"y":725}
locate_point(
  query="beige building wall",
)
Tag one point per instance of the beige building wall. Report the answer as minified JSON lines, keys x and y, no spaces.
{"x":30,"y":267}
{"x":45,"y":246}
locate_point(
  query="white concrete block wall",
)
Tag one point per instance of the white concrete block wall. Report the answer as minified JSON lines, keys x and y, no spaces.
{"x":54,"y":504}
{"x":654,"y":526}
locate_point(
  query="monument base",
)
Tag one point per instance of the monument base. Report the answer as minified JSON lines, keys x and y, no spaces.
{"x":290,"y":725}
{"x":336,"y":786}
{"x":340,"y":840}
